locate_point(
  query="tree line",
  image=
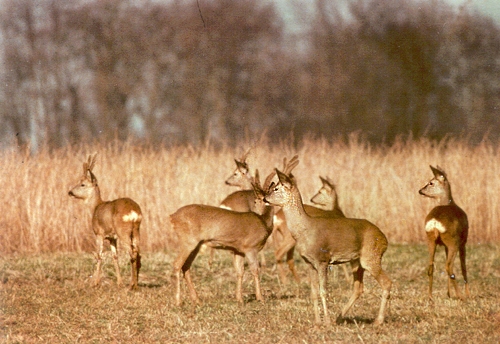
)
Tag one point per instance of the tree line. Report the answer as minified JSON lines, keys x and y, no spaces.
{"x":179,"y":72}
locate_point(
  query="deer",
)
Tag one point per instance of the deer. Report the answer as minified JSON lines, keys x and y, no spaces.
{"x":116,"y":221}
{"x":284,"y":242}
{"x":242,"y":200}
{"x":447,"y":225}
{"x":242,"y":233}
{"x":323,"y":241}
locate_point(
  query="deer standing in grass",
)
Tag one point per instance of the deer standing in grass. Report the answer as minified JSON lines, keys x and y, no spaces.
{"x":115,"y":221}
{"x":446,"y":225}
{"x":242,"y":233}
{"x":325,"y":241}
{"x":283,"y":240}
{"x":243,"y":199}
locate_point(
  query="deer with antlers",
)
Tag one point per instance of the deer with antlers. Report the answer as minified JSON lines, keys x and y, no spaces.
{"x":243,"y":199}
{"x":284,"y":243}
{"x":324,"y":241}
{"x":446,"y":225}
{"x":115,"y":221}
{"x":242,"y":233}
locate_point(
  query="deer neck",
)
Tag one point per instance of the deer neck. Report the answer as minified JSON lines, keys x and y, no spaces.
{"x":95,"y":198}
{"x":446,"y":198}
{"x":296,"y":216}
{"x":268,"y":216}
{"x":247,"y":185}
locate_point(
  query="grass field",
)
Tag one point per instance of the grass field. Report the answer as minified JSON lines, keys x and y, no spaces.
{"x":46,"y":244}
{"x":48,"y":298}
{"x":377,"y":183}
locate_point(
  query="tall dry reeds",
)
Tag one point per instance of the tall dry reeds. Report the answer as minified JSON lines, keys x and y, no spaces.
{"x":376,"y":183}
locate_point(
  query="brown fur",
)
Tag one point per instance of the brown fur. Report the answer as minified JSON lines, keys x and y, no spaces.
{"x":325,"y":241}
{"x":117,"y":220}
{"x":242,"y":233}
{"x":447,"y":225}
{"x":283,"y":240}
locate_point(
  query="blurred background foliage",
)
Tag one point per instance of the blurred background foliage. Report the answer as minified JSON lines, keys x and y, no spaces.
{"x":188,"y":72}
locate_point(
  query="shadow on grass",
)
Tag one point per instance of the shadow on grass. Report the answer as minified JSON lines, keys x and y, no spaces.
{"x":353,"y":321}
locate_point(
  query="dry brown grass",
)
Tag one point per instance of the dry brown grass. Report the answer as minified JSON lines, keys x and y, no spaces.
{"x":379,"y":184}
{"x":44,"y":276}
{"x":49,"y":298}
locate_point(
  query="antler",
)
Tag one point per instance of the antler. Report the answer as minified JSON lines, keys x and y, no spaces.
{"x":89,"y":165}
{"x":267,"y":182}
{"x":290,"y":165}
{"x":245,"y":155}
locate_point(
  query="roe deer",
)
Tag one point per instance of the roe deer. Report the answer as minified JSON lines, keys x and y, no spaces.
{"x":322,"y":241}
{"x":284,"y":242}
{"x":113,"y":220}
{"x":242,"y":200}
{"x":447,"y":225}
{"x":242,"y":233}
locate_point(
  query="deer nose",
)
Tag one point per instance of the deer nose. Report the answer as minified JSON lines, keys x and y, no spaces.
{"x":421,"y":192}
{"x":71,"y":193}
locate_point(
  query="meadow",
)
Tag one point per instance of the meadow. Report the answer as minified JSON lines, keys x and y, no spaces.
{"x":46,"y":245}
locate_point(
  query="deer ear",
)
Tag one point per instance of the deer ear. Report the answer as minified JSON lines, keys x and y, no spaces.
{"x":93,"y":179}
{"x":242,"y":166}
{"x":438,"y":173}
{"x":327,"y":183}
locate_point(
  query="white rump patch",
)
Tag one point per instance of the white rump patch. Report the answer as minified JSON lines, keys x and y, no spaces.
{"x":434,"y":224}
{"x":131,"y":217}
{"x":225,"y":207}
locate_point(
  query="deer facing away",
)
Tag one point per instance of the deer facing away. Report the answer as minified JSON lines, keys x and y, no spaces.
{"x":447,"y":225}
{"x":325,"y":241}
{"x":326,"y":198}
{"x":242,"y":233}
{"x":115,"y":221}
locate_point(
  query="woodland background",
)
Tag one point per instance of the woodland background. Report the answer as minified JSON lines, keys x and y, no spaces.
{"x":184,"y":72}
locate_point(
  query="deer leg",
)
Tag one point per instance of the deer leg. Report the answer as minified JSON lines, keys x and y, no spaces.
{"x":314,"y":280}
{"x":451,"y":252}
{"x":183,"y":263}
{"x":346,"y":273}
{"x":322,"y":272}
{"x":263,"y":262}
{"x":239,"y":266}
{"x":253,"y":263}
{"x":97,"y":272}
{"x":114,"y":251}
{"x":291,"y":263}
{"x":279,"y":254}
{"x":211,"y":257}
{"x":431,"y":243}
{"x":287,"y":247}
{"x":462,"y":252}
{"x":135,"y":258}
{"x":358,"y":272}
{"x":385,"y":283}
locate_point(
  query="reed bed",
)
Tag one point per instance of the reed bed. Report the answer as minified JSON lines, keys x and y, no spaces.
{"x":379,"y":183}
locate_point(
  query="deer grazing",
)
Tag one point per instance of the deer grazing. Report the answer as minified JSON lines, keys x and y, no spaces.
{"x":323,"y":241}
{"x":447,"y":225}
{"x":242,"y":233}
{"x":115,"y":221}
